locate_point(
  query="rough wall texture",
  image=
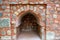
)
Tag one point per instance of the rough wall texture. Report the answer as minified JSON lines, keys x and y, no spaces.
{"x":52,"y":17}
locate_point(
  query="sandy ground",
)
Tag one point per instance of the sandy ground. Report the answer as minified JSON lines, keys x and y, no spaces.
{"x":28,"y":36}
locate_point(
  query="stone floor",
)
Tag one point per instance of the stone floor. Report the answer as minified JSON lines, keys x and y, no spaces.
{"x":28,"y":36}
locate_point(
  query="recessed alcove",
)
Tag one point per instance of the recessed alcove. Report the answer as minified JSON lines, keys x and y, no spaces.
{"x":29,"y":25}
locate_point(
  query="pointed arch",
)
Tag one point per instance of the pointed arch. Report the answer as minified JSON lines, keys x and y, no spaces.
{"x":37,"y":16}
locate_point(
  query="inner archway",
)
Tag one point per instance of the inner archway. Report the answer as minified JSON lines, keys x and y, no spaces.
{"x":29,"y":24}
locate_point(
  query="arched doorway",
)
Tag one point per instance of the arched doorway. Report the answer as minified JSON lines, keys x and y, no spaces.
{"x":29,"y":24}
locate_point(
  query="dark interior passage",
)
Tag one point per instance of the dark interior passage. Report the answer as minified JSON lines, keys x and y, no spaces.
{"x":29,"y":24}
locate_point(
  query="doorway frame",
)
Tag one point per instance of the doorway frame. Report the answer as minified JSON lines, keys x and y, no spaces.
{"x":44,"y":28}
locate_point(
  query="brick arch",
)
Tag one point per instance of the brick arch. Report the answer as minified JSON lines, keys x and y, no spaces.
{"x":20,"y":15}
{"x":37,"y":16}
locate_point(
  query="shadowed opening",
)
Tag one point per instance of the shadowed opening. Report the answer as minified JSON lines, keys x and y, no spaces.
{"x":29,"y":25}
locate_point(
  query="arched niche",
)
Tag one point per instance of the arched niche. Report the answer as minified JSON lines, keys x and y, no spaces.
{"x":21,"y":13}
{"x":34,"y":21}
{"x":37,"y":16}
{"x":19,"y":17}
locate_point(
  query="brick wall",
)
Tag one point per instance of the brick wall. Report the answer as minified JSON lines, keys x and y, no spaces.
{"x":52,"y":16}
